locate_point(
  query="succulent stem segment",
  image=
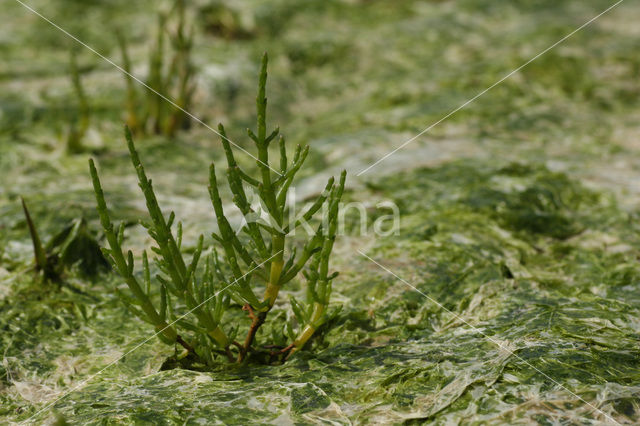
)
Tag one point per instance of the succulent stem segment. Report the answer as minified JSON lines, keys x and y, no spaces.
{"x":257,"y":254}
{"x":314,"y":313}
{"x":125,"y":266}
{"x":177,"y":278}
{"x":266,"y":229}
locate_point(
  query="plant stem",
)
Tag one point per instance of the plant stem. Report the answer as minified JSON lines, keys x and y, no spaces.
{"x":184,"y":344}
{"x":220,"y":337}
{"x":308,"y":330}
{"x":273,"y":287}
{"x":38,"y":250}
{"x":257,"y":321}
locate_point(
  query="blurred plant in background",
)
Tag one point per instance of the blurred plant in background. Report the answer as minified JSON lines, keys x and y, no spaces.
{"x":170,"y":75}
{"x":79,"y":124}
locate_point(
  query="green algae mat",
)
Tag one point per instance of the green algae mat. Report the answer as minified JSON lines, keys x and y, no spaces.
{"x":509,"y":295}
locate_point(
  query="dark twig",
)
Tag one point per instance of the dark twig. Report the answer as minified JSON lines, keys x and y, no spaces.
{"x":256,"y":322}
{"x":184,"y":344}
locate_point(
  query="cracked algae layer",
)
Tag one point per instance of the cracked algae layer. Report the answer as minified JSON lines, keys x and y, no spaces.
{"x":538,"y":288}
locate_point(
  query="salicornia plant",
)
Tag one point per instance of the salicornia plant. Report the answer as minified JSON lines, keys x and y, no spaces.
{"x":255,"y":262}
{"x":172,"y":77}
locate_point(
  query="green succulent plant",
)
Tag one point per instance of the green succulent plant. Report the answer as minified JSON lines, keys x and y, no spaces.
{"x":196,"y":296}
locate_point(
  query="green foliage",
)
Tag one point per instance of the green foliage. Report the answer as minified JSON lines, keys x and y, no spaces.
{"x":259,"y":257}
{"x":149,"y":113}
